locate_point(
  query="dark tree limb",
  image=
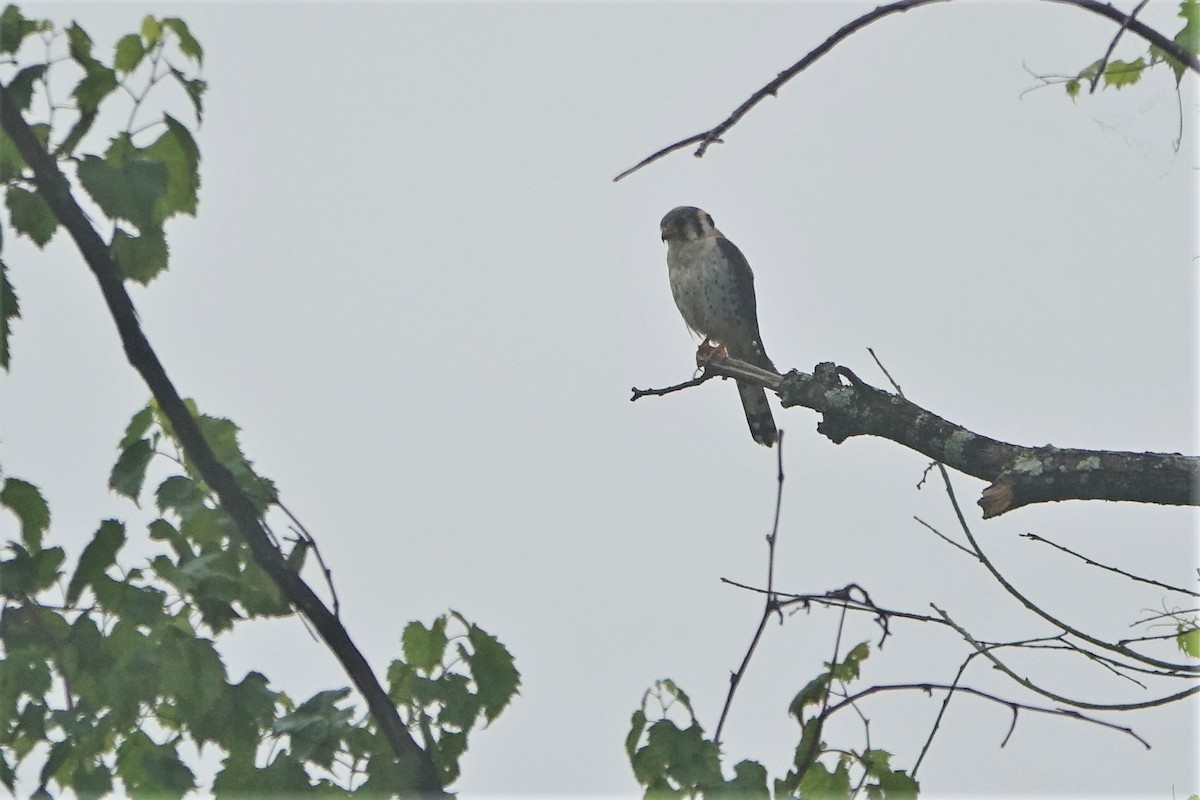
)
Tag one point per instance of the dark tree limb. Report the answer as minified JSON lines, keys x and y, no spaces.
{"x":713,"y":135}
{"x":1019,"y":476}
{"x":54,"y":188}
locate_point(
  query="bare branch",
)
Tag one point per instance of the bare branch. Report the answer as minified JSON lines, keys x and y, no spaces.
{"x":1014,"y":706}
{"x":986,"y":652}
{"x":1034,"y":537}
{"x":713,"y":135}
{"x":640,"y":393}
{"x":770,"y":605}
{"x":1019,"y":475}
{"x":1036,"y":609}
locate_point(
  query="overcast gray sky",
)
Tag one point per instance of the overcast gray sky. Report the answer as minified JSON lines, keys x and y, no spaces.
{"x":414,"y":285}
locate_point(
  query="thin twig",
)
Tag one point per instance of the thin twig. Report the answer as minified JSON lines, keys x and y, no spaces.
{"x":713,"y":135}
{"x":770,"y":605}
{"x":946,"y":538}
{"x":1034,"y":537}
{"x":886,"y":374}
{"x":1113,"y":45}
{"x":937,"y":722}
{"x":1036,"y":609}
{"x":1030,"y":685}
{"x":308,"y":540}
{"x":929,"y":688}
{"x":639,"y":393}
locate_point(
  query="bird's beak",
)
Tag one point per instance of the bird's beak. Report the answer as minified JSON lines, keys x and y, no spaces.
{"x":667,"y":230}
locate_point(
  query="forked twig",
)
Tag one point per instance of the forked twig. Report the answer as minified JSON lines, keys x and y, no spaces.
{"x":770,"y":604}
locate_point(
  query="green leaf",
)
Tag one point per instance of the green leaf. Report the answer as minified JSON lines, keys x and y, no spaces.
{"x":423,"y":647}
{"x":242,"y":716}
{"x":316,"y":727}
{"x":1189,"y":640}
{"x":79,"y":44}
{"x":812,"y":694}
{"x":138,"y":605}
{"x":176,"y":150}
{"x":1188,"y":38}
{"x":494,"y":672}
{"x":187,"y":43}
{"x":98,"y":82}
{"x":1072,"y":88}
{"x":819,"y":783}
{"x":75,"y":134}
{"x":1123,"y":73}
{"x":749,"y":782}
{"x":848,"y":669}
{"x":195,"y":89}
{"x":10,"y":309}
{"x":899,"y":786}
{"x":13,"y":29}
{"x":139,"y":423}
{"x":181,"y":495}
{"x":690,"y":759}
{"x":445,"y":754}
{"x":148,"y":768}
{"x":140,"y":258}
{"x":28,"y":574}
{"x":876,"y":762}
{"x":637,"y":724}
{"x":30,"y":215}
{"x":97,"y":557}
{"x":129,"y":191}
{"x":810,"y":744}
{"x":21,"y":86}
{"x":129,"y":53}
{"x":129,"y":473}
{"x":7,"y":776}
{"x":11,"y":163}
{"x":151,"y":30}
{"x":24,"y":500}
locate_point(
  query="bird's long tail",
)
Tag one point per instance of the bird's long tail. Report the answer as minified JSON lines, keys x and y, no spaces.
{"x":758,"y":414}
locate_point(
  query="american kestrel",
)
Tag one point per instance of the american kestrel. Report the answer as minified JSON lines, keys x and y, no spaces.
{"x":714,"y":289}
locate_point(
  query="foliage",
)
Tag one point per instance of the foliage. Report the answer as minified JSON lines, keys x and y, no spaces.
{"x":147,"y":173}
{"x":110,"y":678}
{"x":671,"y":760}
{"x":1119,"y":74}
{"x":121,"y":670}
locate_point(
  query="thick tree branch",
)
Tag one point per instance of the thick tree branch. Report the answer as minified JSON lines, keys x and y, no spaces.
{"x":713,"y":135}
{"x":56,"y":191}
{"x":1019,"y":476}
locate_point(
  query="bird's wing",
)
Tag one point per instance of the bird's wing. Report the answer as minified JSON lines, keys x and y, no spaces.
{"x":751,"y":349}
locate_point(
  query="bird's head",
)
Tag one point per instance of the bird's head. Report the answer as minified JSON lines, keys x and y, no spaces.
{"x":685,"y":224}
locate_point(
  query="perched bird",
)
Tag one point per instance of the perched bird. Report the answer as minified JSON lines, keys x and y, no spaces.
{"x":714,"y":289}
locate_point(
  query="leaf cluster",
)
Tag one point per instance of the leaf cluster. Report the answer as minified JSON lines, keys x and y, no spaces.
{"x":453,"y":675}
{"x":119,"y":671}
{"x":674,"y":760}
{"x":1119,"y":74}
{"x":137,"y":185}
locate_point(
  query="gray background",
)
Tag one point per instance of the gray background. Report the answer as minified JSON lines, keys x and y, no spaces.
{"x":414,"y":285}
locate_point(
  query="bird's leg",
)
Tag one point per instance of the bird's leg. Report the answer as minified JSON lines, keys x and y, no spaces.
{"x":710,"y":351}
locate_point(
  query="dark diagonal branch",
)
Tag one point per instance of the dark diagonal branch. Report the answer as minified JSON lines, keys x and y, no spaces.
{"x":54,"y":188}
{"x":713,"y":135}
